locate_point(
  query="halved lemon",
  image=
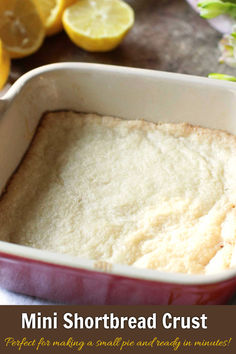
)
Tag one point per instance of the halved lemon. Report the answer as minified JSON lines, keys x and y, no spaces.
{"x":98,"y":25}
{"x":51,"y":13}
{"x":21,"y":28}
{"x":5,"y":63}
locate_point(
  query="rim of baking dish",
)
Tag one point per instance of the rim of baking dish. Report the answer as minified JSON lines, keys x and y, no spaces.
{"x":26,"y":253}
{"x":33,"y":254}
{"x":25,"y":78}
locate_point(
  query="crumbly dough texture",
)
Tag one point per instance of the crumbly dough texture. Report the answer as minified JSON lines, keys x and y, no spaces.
{"x":159,"y":196}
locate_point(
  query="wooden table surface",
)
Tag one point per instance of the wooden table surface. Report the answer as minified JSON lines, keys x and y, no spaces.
{"x":168,"y":35}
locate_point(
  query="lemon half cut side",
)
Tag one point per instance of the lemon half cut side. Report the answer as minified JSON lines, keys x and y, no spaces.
{"x":98,"y":25}
{"x":51,"y":12}
{"x":21,"y":28}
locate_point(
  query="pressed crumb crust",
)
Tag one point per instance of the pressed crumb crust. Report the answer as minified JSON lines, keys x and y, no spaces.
{"x":159,"y":196}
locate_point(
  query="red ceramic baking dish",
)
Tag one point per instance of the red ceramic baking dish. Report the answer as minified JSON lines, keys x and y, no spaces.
{"x":131,"y":94}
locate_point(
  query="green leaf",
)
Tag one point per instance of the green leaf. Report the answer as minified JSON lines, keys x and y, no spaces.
{"x":222,"y":77}
{"x":213,"y":8}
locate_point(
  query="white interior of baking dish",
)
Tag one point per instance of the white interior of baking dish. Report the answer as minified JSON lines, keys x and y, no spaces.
{"x":123,"y":92}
